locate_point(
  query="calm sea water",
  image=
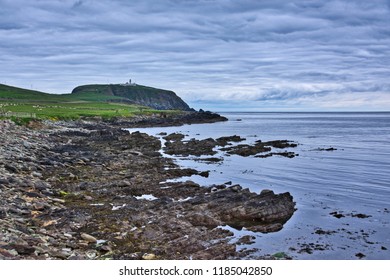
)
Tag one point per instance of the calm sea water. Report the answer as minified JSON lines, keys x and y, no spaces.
{"x":354,"y":179}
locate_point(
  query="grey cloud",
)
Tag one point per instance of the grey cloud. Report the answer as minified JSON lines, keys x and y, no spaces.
{"x":270,"y":51}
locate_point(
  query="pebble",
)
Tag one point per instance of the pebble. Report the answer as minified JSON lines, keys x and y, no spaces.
{"x":147,"y":256}
{"x":88,"y":238}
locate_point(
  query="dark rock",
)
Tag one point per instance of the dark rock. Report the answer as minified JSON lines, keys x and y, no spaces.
{"x":324,"y":232}
{"x":337,"y":215}
{"x":22,"y":249}
{"x":174,"y":137}
{"x":3,"y":213}
{"x":264,"y":213}
{"x":247,"y":239}
{"x":326,"y":149}
{"x":185,"y":172}
{"x":191,"y":147}
{"x":223,"y":141}
{"x":361,"y":216}
{"x":204,"y":174}
{"x":4,"y":181}
{"x":360,"y":255}
{"x":246,"y":150}
{"x":11,"y":168}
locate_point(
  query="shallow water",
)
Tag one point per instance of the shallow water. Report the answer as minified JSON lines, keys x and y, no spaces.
{"x":354,"y":179}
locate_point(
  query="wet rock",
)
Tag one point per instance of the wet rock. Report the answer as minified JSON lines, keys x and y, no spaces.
{"x":247,"y":239}
{"x":360,"y":255}
{"x":326,"y":149}
{"x":191,"y":147}
{"x":283,"y":154}
{"x":324,"y":232}
{"x":246,"y":150}
{"x":263,"y":213}
{"x":174,"y":137}
{"x":337,"y":215}
{"x":361,"y":216}
{"x":224,"y":141}
{"x":185,"y":172}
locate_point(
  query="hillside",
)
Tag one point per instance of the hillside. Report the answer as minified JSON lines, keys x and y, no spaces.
{"x":12,"y":93}
{"x":103,"y":101}
{"x":133,"y":94}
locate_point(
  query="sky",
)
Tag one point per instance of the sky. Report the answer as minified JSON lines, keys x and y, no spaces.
{"x":219,"y":55}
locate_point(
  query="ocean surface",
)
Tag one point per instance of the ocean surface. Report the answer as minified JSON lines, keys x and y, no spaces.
{"x":352,"y":179}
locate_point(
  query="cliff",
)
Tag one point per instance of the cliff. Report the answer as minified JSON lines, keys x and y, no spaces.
{"x":134,"y":94}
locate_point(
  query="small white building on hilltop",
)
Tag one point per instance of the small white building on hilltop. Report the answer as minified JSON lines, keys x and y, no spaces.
{"x":129,"y":83}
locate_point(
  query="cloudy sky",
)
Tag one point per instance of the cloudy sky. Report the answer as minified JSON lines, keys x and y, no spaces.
{"x":266,"y":55}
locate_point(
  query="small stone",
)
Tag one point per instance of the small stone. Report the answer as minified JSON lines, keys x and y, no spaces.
{"x":36,"y":174}
{"x":124,"y":184}
{"x":58,"y":200}
{"x":11,"y":168}
{"x":236,"y":188}
{"x":8,"y":253}
{"x":88,"y":238}
{"x":147,"y":256}
{"x":22,"y":249}
{"x":59,"y":254}
{"x":105,"y":248}
{"x":27,"y":145}
{"x":91,"y":254}
{"x":39,"y":206}
{"x":3,"y":213}
{"x":4,"y":181}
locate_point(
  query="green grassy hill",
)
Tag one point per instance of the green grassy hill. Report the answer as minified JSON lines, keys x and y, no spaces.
{"x":23,"y":103}
{"x":15,"y":93}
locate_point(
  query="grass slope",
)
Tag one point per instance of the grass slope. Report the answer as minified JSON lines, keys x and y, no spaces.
{"x":15,"y":102}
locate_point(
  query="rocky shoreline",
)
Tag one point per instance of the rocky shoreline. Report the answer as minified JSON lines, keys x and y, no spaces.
{"x":90,"y":190}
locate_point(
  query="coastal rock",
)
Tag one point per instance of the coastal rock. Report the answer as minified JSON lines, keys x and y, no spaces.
{"x":246,"y":150}
{"x":174,"y":137}
{"x":237,"y":208}
{"x":224,"y":141}
{"x":91,"y":176}
{"x":191,"y":147}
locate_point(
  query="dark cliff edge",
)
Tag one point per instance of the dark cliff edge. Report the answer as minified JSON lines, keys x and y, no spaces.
{"x":155,"y":98}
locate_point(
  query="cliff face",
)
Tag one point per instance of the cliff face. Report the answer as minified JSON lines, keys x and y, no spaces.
{"x":136,"y":94}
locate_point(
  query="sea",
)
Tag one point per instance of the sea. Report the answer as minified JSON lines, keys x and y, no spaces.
{"x":340,"y":180}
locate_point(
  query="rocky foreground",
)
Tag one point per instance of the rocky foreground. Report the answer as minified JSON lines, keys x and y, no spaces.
{"x":87,"y":190}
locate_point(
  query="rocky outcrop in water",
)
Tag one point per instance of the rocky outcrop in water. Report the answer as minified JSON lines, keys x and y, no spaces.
{"x":177,"y":145}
